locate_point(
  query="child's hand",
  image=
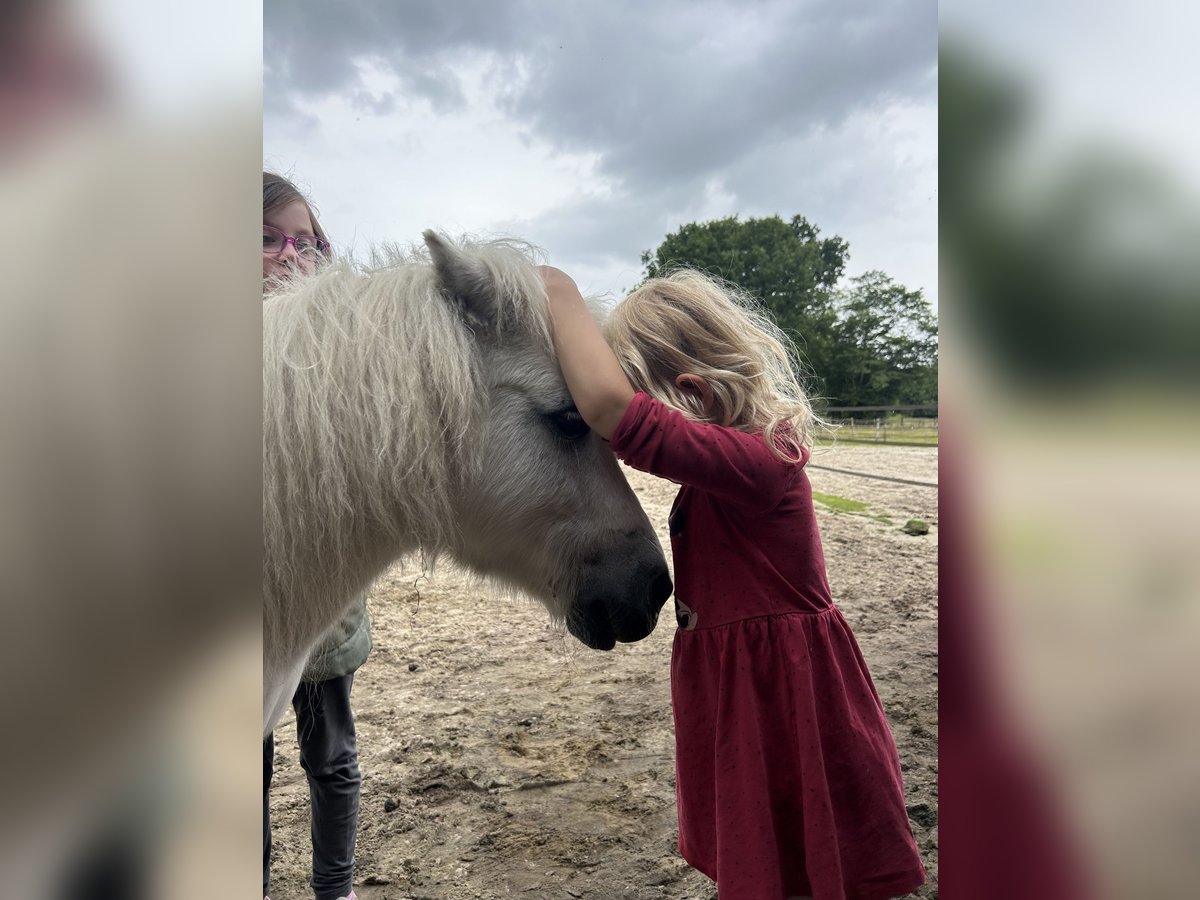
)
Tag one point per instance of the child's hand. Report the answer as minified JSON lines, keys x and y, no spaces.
{"x":595,"y":378}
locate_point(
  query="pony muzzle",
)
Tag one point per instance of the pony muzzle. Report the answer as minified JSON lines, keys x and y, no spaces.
{"x":620,"y":606}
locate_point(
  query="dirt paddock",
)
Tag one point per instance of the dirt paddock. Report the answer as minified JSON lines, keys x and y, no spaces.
{"x":501,"y":758}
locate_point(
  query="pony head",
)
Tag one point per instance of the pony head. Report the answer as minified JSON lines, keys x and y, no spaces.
{"x":544,"y":506}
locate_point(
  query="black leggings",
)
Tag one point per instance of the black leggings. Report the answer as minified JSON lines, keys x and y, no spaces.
{"x":329,"y":755}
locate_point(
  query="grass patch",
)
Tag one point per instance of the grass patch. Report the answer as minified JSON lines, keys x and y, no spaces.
{"x":854,"y":507}
{"x":841,"y":504}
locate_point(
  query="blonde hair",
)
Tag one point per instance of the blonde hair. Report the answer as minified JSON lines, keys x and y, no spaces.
{"x":689,"y":322}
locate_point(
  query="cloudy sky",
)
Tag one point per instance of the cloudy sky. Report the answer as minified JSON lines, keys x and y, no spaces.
{"x":594,"y":129}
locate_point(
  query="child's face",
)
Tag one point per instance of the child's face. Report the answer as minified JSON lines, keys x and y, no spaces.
{"x":292,"y":220}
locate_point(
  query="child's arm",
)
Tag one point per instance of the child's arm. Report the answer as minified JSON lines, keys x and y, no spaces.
{"x":594,"y":377}
{"x":734,"y":465}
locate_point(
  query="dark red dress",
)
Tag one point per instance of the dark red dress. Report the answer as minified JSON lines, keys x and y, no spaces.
{"x":787,"y":777}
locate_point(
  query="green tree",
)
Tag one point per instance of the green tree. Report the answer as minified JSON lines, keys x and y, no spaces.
{"x":873,"y":343}
{"x":886,"y":345}
{"x":786,"y":265}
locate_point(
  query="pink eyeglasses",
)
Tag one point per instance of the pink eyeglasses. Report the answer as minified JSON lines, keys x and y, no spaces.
{"x":307,"y":245}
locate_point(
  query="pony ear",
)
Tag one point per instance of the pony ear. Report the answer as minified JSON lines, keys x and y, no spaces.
{"x":465,"y":280}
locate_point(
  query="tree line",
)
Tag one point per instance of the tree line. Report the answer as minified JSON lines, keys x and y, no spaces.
{"x":871,"y":342}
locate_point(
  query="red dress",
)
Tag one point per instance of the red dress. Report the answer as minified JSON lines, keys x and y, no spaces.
{"x":787,"y":777}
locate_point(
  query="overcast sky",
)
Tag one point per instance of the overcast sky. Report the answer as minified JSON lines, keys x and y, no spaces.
{"x":593,"y":129}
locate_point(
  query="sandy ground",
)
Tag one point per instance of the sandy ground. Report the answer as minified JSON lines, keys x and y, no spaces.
{"x":502,"y":758}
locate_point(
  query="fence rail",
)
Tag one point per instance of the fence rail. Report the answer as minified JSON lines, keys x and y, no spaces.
{"x":902,"y":425}
{"x":873,"y":476}
{"x":904,"y":407}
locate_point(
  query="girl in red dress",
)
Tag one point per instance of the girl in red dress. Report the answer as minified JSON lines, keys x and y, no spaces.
{"x":787,"y":777}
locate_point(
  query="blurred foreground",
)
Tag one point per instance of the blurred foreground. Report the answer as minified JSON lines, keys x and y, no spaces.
{"x":1070,"y":628}
{"x":130,"y":470}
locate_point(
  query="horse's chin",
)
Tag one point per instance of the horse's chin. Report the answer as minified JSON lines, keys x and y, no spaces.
{"x":598,"y":632}
{"x":592,"y":635}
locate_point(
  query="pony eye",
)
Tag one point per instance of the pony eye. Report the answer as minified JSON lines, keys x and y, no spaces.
{"x":569,"y":423}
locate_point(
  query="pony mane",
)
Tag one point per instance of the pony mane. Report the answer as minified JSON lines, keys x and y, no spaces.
{"x":522,"y":308}
{"x":372,"y":398}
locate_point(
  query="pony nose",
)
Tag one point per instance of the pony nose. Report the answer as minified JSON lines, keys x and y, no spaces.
{"x":660,"y":590}
{"x":632,"y":623}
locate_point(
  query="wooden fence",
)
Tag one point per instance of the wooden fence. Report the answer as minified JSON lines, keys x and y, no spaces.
{"x":905,"y":425}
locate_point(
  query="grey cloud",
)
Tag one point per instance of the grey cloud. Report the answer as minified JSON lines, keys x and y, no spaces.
{"x":313,"y":48}
{"x":840,"y":182}
{"x":661,"y":91}
{"x":854,"y":171}
{"x":379,"y":106}
{"x":671,"y":106}
{"x":281,"y":113}
{"x":669,"y":95}
{"x":598,"y":231}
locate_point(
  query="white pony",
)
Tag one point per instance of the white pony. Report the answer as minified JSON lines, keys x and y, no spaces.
{"x":417,"y":405}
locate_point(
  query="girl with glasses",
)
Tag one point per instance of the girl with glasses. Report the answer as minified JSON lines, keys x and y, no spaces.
{"x":294,"y":243}
{"x":293,"y":240}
